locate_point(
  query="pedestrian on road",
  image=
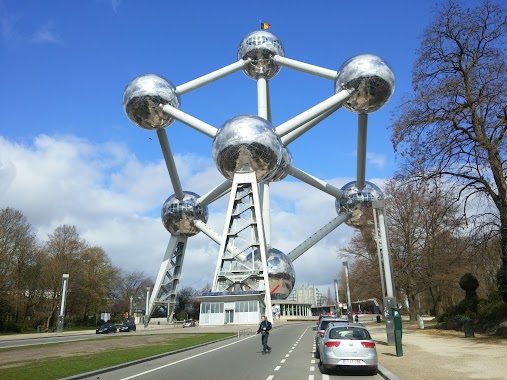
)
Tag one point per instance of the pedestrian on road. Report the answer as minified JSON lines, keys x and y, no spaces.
{"x":264,"y":328}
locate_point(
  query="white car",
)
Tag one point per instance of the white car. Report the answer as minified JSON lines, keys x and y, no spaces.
{"x":345,"y":346}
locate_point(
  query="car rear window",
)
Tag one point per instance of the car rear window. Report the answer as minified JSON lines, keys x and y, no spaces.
{"x":353,"y":333}
{"x":324,"y":323}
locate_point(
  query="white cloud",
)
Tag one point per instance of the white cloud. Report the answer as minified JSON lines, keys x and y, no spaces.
{"x":376,"y":159}
{"x":114,"y":200}
{"x":46,"y":34}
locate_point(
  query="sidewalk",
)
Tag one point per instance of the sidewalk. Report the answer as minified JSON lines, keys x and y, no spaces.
{"x":434,"y":354}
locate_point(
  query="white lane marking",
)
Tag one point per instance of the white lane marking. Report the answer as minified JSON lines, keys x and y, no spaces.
{"x":277,"y":367}
{"x":287,"y":355}
{"x":312,"y":368}
{"x":325,"y":377}
{"x":313,"y":361}
{"x":184,"y":360}
{"x":290,"y":351}
{"x":270,"y":377}
{"x":282,"y":361}
{"x":310,"y":377}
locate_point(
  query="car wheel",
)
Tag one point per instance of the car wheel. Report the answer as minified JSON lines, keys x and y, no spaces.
{"x":317,"y":355}
{"x":323,"y":369}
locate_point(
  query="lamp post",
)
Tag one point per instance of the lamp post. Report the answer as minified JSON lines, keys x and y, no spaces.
{"x":349,"y":303}
{"x":130,"y":307}
{"x":146,"y":313}
{"x":61,"y":315}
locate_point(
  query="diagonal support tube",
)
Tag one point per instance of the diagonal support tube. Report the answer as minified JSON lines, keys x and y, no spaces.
{"x":169,"y":162}
{"x":214,"y":194}
{"x":191,"y":121}
{"x":308,"y":115}
{"x":317,"y":236}
{"x":211,"y":77}
{"x":305,"y":67}
{"x":314,"y":181}
{"x":291,"y":136}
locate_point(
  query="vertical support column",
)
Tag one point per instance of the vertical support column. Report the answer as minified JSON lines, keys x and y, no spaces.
{"x":362,"y":129}
{"x":167,"y":283}
{"x":61,"y":315}
{"x":379,"y":255}
{"x":243,"y":267}
{"x":389,"y":299}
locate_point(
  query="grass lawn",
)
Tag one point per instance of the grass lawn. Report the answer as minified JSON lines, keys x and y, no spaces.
{"x":57,"y":368}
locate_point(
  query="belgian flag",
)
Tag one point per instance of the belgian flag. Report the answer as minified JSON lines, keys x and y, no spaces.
{"x":265,"y":25}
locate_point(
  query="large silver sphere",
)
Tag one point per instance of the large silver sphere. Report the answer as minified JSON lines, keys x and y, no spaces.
{"x":281,"y":273}
{"x":247,"y":143}
{"x":281,"y":171}
{"x":359,"y":202}
{"x":178,"y":216}
{"x":373,"y":80}
{"x":142,"y":99}
{"x":259,"y":47}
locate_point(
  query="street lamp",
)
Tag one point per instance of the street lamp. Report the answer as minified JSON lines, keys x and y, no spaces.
{"x":349,"y":303}
{"x":59,"y":324}
{"x":147,"y":311}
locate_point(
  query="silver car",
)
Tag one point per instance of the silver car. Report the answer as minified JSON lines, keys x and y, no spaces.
{"x":321,"y":328}
{"x":347,"y":346}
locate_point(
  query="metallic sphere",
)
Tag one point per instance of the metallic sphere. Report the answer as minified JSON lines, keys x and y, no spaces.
{"x":259,"y":47}
{"x":178,"y":216}
{"x":281,"y":273}
{"x":281,"y":171}
{"x":359,"y":203}
{"x":373,"y":80}
{"x":142,"y":99}
{"x":247,"y":143}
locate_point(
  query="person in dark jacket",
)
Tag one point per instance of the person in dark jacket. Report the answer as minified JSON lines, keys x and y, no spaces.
{"x":264,"y":328}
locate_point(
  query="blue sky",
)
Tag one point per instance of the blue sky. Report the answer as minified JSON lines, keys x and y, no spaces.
{"x":69,"y":154}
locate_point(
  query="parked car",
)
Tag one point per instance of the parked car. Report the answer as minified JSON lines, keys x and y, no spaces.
{"x":127,"y":326}
{"x":347,"y":345}
{"x":106,"y":328}
{"x":189,"y":323}
{"x":321,"y":328}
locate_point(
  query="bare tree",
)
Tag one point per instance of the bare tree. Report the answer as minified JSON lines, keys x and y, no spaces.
{"x":64,"y":249}
{"x":454,"y":123}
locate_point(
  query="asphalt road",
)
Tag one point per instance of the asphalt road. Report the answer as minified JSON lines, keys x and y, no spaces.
{"x":47,"y":340}
{"x":238,"y":359}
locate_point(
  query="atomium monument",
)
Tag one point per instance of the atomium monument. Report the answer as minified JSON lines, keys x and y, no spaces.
{"x":250,"y":152}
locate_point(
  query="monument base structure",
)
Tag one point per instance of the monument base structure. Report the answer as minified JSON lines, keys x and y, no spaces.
{"x":241,"y":277}
{"x":239,"y":308}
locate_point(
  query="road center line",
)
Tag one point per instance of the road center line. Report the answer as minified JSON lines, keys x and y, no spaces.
{"x":184,"y":360}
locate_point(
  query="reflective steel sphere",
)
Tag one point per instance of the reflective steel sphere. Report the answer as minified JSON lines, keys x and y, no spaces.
{"x":373,"y":80}
{"x":359,"y":202}
{"x":247,"y":143}
{"x":142,"y":98}
{"x":259,"y":47}
{"x":281,"y":172}
{"x":281,"y":273}
{"x":177,"y":216}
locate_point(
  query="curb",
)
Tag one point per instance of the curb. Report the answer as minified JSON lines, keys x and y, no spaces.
{"x":386,"y":374}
